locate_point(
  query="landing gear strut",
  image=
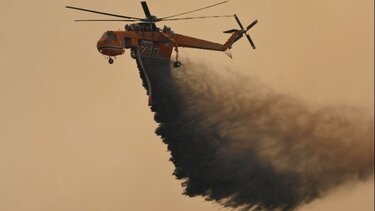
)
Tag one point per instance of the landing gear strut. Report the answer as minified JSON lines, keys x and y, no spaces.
{"x":177,"y":64}
{"x":110,"y":60}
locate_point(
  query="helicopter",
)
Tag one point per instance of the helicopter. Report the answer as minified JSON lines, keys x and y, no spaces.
{"x":143,"y":37}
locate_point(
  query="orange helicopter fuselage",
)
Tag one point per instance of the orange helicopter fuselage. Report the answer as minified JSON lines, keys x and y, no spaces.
{"x":144,"y":38}
{"x":155,"y":43}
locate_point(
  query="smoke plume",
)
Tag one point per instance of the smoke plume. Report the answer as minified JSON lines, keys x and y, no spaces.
{"x":235,"y":141}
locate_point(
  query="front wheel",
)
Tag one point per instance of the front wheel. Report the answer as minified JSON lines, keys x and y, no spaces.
{"x":110,"y":60}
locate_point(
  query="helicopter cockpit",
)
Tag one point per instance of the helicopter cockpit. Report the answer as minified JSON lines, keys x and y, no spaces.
{"x":109,"y":37}
{"x":110,"y":45}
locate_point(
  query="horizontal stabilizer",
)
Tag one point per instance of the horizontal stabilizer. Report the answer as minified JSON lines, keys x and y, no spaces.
{"x":231,"y":31}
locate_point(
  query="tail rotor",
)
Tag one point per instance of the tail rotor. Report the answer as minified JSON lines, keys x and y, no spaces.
{"x":243,"y":30}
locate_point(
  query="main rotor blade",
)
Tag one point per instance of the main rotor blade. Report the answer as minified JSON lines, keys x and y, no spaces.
{"x":251,"y":25}
{"x":251,"y":41}
{"x":145,"y":9}
{"x":87,"y":20}
{"x":200,"y":17}
{"x":102,"y":13}
{"x":184,"y":13}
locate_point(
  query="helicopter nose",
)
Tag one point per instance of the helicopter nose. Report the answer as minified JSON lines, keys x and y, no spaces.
{"x":109,"y":49}
{"x":100,"y":46}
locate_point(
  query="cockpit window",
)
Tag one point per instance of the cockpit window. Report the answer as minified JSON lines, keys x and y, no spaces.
{"x":141,"y":27}
{"x":110,"y":36}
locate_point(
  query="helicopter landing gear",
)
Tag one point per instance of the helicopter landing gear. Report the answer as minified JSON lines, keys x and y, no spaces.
{"x":176,"y":64}
{"x":110,"y":60}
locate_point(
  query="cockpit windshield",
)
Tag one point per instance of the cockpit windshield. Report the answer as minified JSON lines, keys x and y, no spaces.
{"x":110,"y":36}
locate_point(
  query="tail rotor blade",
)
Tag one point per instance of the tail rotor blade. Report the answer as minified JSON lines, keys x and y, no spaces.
{"x":251,"y":41}
{"x":239,"y":22}
{"x":251,"y":25}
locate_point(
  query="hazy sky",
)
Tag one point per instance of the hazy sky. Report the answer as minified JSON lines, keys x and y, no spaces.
{"x":76,"y":133}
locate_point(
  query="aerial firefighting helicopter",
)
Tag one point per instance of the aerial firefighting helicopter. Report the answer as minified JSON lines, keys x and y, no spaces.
{"x":146,"y":38}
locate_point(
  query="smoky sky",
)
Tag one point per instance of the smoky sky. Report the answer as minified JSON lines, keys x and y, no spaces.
{"x":237,"y":142}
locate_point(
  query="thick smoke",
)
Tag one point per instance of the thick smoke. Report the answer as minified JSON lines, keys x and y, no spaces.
{"x":237,"y":142}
